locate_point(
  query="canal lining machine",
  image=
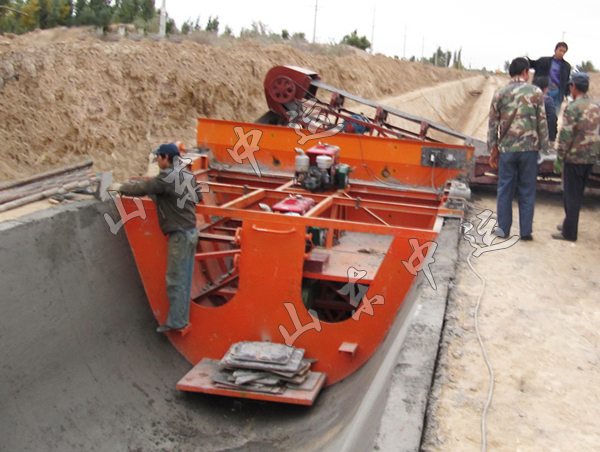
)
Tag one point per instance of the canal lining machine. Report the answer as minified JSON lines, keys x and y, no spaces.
{"x":322,"y":200}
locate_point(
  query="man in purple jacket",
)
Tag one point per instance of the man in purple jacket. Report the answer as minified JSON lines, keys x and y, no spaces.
{"x":557,"y":70}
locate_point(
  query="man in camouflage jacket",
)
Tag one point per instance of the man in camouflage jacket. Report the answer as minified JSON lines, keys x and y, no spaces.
{"x":175,"y":193}
{"x":579,"y":148}
{"x":517,"y":131}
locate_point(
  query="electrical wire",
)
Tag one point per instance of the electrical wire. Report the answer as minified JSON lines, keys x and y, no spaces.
{"x":485,"y":357}
{"x":374,"y":177}
{"x":369,"y":171}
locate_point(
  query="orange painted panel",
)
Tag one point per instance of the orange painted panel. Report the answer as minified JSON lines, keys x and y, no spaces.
{"x":373,"y":158}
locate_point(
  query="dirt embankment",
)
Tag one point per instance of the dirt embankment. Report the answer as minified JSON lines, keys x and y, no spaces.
{"x":115,"y":101}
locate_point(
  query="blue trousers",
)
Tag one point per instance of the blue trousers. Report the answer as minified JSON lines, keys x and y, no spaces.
{"x":180,"y":268}
{"x":517,"y":173}
{"x":555,"y":95}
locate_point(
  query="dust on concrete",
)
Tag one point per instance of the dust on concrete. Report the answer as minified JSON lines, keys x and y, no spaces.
{"x":115,"y":101}
{"x":539,"y":320}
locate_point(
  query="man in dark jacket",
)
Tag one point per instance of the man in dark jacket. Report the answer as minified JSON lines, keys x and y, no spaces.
{"x":557,"y":70}
{"x":542,"y":82}
{"x":175,"y":192}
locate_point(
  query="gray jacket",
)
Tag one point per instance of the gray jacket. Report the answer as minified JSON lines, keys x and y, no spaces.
{"x":175,"y":192}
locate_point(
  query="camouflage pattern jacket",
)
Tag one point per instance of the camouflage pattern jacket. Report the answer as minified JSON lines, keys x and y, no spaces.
{"x":517,"y":121}
{"x":579,"y":139}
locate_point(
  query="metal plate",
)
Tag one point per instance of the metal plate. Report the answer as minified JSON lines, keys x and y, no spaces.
{"x":264,"y":352}
{"x":443,"y":157}
{"x":199,"y":379}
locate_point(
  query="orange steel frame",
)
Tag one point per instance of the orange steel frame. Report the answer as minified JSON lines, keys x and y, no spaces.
{"x":259,"y":260}
{"x":377,"y":159}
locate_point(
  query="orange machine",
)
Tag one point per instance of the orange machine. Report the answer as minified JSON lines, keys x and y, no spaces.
{"x":313,"y":244}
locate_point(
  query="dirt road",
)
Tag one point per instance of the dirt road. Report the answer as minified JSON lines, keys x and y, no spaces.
{"x":539,"y":320}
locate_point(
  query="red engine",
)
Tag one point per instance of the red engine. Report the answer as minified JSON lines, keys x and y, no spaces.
{"x":297,"y":204}
{"x":320,"y":169}
{"x":324,"y":149}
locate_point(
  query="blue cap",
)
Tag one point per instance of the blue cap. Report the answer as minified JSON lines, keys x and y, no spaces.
{"x":167,"y":149}
{"x":579,"y":78}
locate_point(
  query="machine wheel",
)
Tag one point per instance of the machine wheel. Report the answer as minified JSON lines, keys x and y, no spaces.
{"x":282,"y":89}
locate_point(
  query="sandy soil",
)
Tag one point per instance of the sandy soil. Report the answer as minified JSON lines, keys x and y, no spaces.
{"x":539,"y":319}
{"x":115,"y":101}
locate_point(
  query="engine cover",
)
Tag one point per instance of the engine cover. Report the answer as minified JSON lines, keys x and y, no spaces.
{"x":326,"y":150}
{"x":297,"y":204}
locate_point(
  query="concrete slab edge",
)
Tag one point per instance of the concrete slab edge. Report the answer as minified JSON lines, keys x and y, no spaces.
{"x":404,"y":417}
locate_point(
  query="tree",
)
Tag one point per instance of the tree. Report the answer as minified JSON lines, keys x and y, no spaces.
{"x":79,"y":7}
{"x":285,"y":35}
{"x":98,"y":5}
{"x":457,"y":63}
{"x":104,"y":17}
{"x":43,"y":14}
{"x":65,"y":11}
{"x":301,"y":37}
{"x":30,"y":8}
{"x":355,"y":41}
{"x":213,"y":24}
{"x":54,"y":18}
{"x":506,"y":66}
{"x":147,"y":9}
{"x":440,"y":58}
{"x":170,"y":26}
{"x":87,"y":17}
{"x":127,"y":11}
{"x":186,"y":27}
{"x":586,"y":66}
{"x":228,"y":31}
{"x":258,"y":30}
{"x":189,"y":26}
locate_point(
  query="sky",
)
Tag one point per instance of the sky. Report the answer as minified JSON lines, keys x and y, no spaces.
{"x":488,"y":32}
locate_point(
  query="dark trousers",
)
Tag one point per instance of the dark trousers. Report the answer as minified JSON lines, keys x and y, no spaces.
{"x":575,"y":177}
{"x":517,"y":173}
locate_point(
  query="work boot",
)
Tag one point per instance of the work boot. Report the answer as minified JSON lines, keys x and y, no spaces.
{"x":561,"y":237}
{"x":527,"y":238}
